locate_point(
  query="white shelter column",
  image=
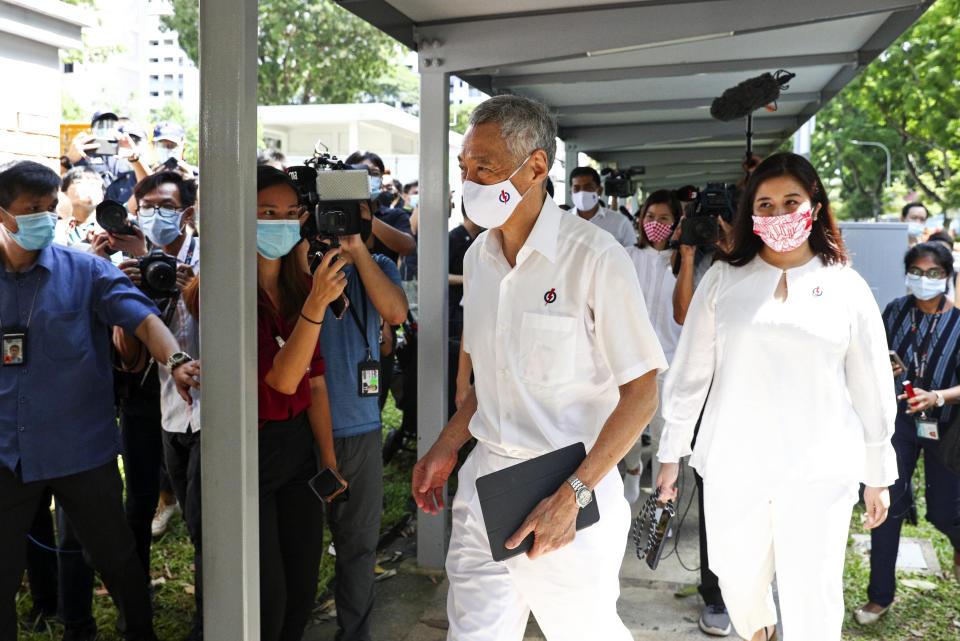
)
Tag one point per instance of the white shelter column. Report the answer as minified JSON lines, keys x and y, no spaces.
{"x":432,"y":273}
{"x":228,"y":348}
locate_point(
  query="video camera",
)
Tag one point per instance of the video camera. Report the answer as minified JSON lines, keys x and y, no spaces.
{"x":701,"y":227}
{"x":620,"y":182}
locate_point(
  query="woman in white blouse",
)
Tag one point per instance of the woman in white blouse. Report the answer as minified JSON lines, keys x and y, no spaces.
{"x":789,"y":343}
{"x":658,"y":218}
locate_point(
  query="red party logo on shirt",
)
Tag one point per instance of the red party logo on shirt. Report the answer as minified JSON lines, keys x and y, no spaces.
{"x":550,"y":297}
{"x":504,"y":196}
{"x":817,"y":291}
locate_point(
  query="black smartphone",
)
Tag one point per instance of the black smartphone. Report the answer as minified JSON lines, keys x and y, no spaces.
{"x":104,"y":147}
{"x":328,"y":485}
{"x":896,"y":360}
{"x":170,"y":163}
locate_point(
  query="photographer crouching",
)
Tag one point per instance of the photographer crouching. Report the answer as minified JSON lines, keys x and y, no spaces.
{"x":58,"y":306}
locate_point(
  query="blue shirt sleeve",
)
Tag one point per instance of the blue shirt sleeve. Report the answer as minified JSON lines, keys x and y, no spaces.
{"x":389,"y":268}
{"x":116,"y":301}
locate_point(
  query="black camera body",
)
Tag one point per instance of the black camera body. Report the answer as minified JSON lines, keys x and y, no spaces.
{"x":158,"y":274}
{"x":112,"y":216}
{"x":620,"y":182}
{"x":702,"y":227}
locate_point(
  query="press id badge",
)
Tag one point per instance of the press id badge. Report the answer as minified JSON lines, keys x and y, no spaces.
{"x":928,"y":429}
{"x":369,"y":378}
{"x":13,"y":346}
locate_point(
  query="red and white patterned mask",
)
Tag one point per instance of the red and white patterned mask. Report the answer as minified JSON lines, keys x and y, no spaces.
{"x":657,"y":231}
{"x":784,"y":233}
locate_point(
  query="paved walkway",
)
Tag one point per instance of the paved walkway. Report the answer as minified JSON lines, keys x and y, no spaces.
{"x":412,"y":605}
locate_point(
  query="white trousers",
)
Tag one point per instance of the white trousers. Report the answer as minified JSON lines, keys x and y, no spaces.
{"x":799,"y":533}
{"x":572,"y":591}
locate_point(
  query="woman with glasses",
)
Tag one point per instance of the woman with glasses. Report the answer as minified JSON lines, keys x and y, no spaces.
{"x":923,"y":328}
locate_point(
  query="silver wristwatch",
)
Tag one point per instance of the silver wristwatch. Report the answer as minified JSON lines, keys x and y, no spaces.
{"x":177,"y":359}
{"x":583,"y":493}
{"x":941,"y":401}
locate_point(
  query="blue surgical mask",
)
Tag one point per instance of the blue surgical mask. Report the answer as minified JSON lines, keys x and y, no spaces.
{"x":275,"y":238}
{"x":414,"y":200}
{"x":161,"y":226}
{"x":924,"y":288}
{"x":35,"y":231}
{"x":376,"y":182}
{"x":915,"y":229}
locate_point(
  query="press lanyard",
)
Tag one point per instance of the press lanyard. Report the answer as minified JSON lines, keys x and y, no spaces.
{"x":356,"y":319}
{"x":33,"y":304}
{"x":920,"y":351}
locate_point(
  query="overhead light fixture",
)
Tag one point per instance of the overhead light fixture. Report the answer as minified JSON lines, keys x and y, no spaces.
{"x":662,"y":43}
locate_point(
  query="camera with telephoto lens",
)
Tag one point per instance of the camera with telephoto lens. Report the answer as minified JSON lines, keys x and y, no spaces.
{"x":158,"y":274}
{"x":620,"y":182}
{"x":701,"y":227}
{"x":112,"y":216}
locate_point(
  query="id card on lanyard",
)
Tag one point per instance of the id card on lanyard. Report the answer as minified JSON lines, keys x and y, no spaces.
{"x":13,"y":340}
{"x":368,"y":370}
{"x":926,"y":426}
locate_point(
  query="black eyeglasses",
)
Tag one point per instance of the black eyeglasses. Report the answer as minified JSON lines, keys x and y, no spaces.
{"x":936,"y":273}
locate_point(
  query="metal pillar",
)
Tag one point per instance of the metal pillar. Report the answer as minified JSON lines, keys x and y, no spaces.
{"x":433,"y":260}
{"x":570,"y":162}
{"x":228,"y":348}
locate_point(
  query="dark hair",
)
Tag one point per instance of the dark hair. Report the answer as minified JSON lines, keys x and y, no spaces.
{"x":26,"y":176}
{"x":941,"y":236}
{"x":549,"y":185}
{"x":271,"y":155}
{"x":940,"y":255}
{"x":359,"y":157}
{"x":825,"y":240}
{"x":586,"y":171}
{"x":187,"y":189}
{"x":78,"y":173}
{"x":293,"y":282}
{"x":397,"y":184}
{"x":660,"y":197}
{"x":909,"y":206}
{"x":409,"y":186}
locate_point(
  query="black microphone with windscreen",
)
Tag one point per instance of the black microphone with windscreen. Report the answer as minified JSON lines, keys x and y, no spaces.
{"x":749,"y":95}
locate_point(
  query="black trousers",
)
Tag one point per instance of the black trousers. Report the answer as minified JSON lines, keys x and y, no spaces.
{"x":355,"y":524}
{"x":140,"y":431}
{"x":182,"y":454}
{"x":709,"y":583}
{"x":42,"y":563}
{"x":291,"y":529}
{"x":94,"y":502}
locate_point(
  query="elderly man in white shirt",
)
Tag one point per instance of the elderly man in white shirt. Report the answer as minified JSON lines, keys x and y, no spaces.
{"x":547,"y":298}
{"x":586,"y":189}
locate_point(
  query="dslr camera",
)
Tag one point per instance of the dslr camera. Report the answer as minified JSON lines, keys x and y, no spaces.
{"x":158,"y":275}
{"x":701,"y":227}
{"x":112,"y":216}
{"x":620,"y":182}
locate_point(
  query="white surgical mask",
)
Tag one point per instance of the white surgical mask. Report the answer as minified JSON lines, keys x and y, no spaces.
{"x":915,"y":229}
{"x":924,"y":288}
{"x":164,"y":153}
{"x":585,"y":200}
{"x":491,"y":206}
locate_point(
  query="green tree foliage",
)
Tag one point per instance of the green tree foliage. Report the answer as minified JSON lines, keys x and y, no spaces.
{"x":459,"y":116}
{"x":310,"y":51}
{"x":908,"y":99}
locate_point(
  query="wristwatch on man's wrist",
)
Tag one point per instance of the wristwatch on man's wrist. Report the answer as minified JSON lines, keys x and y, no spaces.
{"x":177,"y":359}
{"x":582,"y":492}
{"x":941,"y":401}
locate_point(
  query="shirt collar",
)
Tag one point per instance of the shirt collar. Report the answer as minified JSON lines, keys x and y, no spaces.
{"x":542,"y":238}
{"x":44,"y":259}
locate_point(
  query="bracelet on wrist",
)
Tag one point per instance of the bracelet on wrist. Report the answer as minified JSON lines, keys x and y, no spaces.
{"x":310,"y":320}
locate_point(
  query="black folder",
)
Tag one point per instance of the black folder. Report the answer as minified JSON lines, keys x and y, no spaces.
{"x":507,"y":497}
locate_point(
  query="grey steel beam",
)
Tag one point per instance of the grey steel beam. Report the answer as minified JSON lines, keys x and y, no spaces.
{"x":732,"y":165}
{"x":680,"y":69}
{"x":617,"y":136}
{"x":384,"y":17}
{"x":433,"y":259}
{"x":491,"y":43}
{"x":228,"y":321}
{"x":655,"y":158}
{"x":654,"y":105}
{"x":699,"y":180}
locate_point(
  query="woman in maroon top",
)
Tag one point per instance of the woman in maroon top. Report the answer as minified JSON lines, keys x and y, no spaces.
{"x":294,"y":409}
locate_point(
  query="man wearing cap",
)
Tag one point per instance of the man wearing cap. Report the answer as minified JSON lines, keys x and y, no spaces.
{"x":168,"y":148}
{"x":119,"y":176}
{"x":585,"y":190}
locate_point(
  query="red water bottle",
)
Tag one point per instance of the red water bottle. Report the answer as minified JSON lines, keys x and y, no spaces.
{"x":909,"y":389}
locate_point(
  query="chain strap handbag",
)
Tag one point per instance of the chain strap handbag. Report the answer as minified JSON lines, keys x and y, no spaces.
{"x":651,"y":528}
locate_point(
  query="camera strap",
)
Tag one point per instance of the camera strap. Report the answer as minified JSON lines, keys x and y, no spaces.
{"x":368,"y":371}
{"x":356,"y":319}
{"x":921,"y":350}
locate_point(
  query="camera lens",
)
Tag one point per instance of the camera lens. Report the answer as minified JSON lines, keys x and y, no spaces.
{"x":160,"y":276}
{"x":112,"y":216}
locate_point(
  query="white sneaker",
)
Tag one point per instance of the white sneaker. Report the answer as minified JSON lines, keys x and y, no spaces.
{"x":631,"y":487}
{"x":162,"y":518}
{"x":864,"y":617}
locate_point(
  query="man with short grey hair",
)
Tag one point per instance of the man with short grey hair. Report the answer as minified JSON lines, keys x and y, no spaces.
{"x":545,"y":298}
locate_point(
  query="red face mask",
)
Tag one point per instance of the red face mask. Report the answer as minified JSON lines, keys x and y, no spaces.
{"x":657,"y":231}
{"x":784,"y":233}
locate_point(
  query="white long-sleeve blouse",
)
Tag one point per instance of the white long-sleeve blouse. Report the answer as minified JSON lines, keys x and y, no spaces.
{"x":795,"y":390}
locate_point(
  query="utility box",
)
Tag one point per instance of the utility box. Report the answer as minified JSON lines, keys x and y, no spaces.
{"x":876,"y":251}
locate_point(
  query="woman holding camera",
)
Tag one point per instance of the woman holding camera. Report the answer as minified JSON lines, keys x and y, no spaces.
{"x":657,"y":220}
{"x":923,"y":329}
{"x":788,"y":341}
{"x":294,"y":408}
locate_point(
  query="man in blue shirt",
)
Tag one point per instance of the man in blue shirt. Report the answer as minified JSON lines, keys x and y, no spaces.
{"x":351,"y":350}
{"x":58,"y":429}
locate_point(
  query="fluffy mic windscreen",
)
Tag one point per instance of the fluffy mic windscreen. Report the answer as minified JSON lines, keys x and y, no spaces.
{"x":746,"y":97}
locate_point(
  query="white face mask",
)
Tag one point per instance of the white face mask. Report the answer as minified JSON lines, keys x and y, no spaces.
{"x":924,"y":288}
{"x":491,"y":206}
{"x":163,"y":153}
{"x":585,"y":200}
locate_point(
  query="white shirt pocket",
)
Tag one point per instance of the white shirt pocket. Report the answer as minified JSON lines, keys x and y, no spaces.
{"x":548,"y":349}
